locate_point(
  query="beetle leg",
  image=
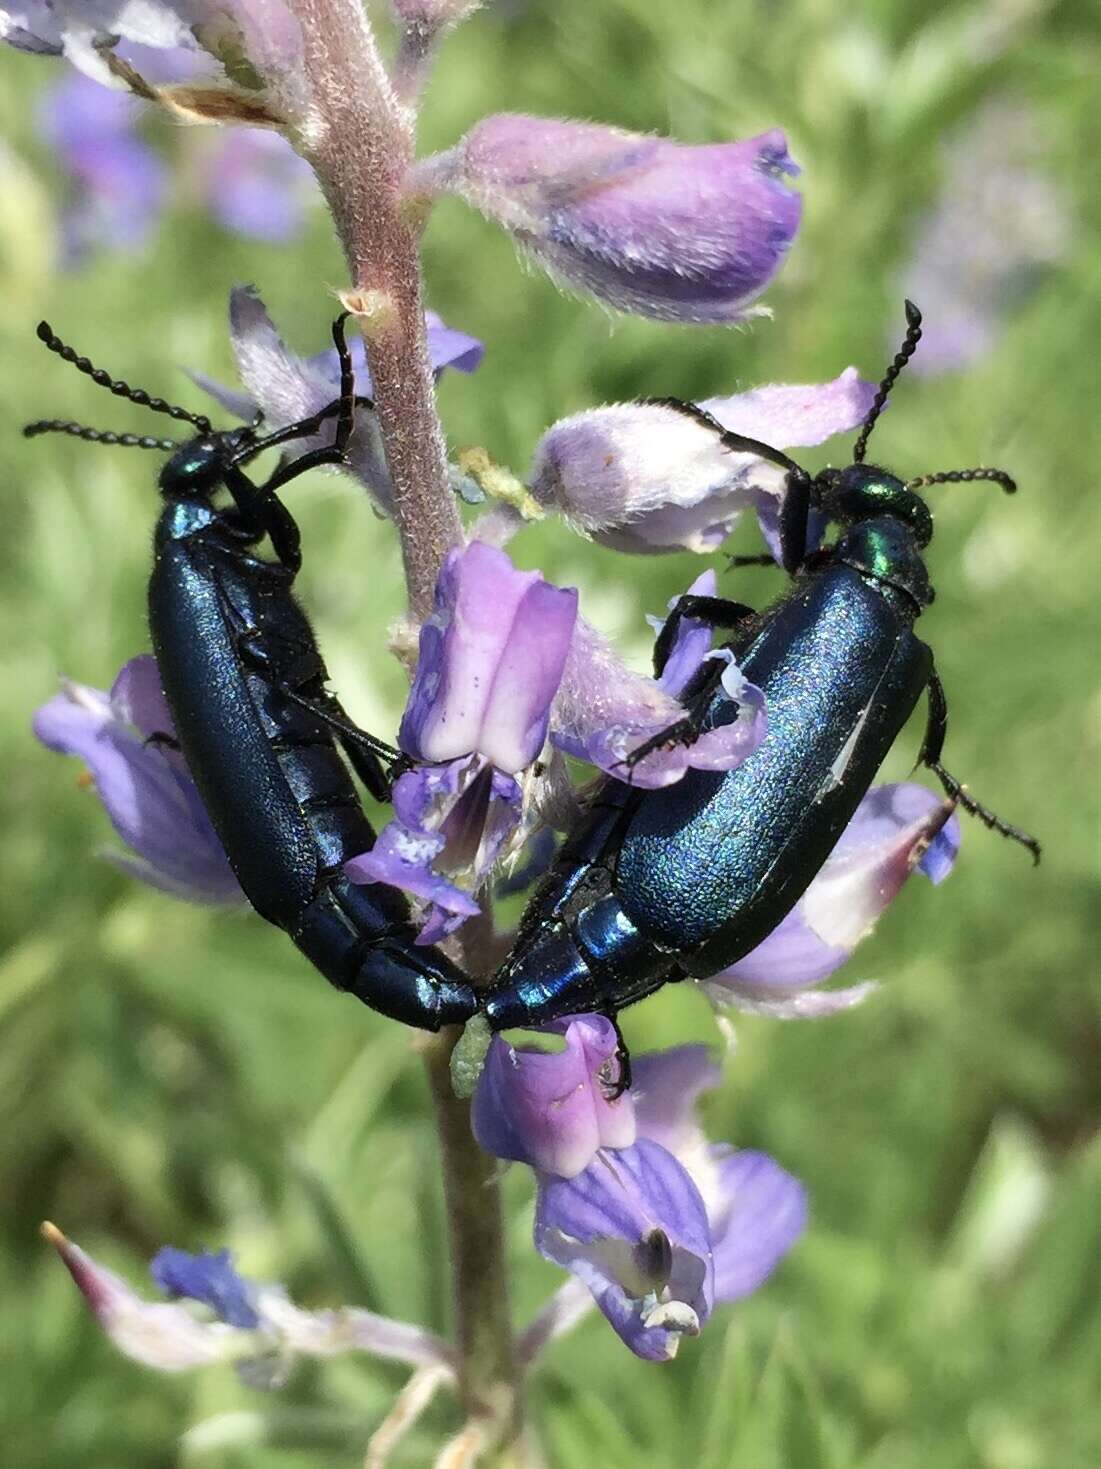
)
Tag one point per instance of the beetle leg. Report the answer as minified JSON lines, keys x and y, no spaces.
{"x":764,"y":559}
{"x":622,"y":1083}
{"x":932,"y":746}
{"x":937,"y":725}
{"x":715,"y":611}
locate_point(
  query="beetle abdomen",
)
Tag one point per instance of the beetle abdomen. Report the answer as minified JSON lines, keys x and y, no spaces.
{"x":709,"y":866}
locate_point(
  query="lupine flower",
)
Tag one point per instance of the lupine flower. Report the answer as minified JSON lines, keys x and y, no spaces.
{"x":142,"y":781}
{"x":256,"y":1327}
{"x":491,"y":659}
{"x":286,"y":387}
{"x":643,"y":477}
{"x":644,"y":224}
{"x":659,"y":1224}
{"x":999,"y":224}
{"x":252,"y":181}
{"x":505,"y":661}
{"x":896,"y":830}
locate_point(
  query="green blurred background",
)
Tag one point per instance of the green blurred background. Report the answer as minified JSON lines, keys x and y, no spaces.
{"x":170,"y":1075}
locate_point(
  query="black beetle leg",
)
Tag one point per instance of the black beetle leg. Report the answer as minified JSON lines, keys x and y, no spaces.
{"x":623,"y":1057}
{"x":931,"y":749}
{"x":715,"y":611}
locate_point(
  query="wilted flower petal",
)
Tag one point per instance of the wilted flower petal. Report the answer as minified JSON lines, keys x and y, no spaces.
{"x":645,"y":224}
{"x":633,"y":1227}
{"x":144,"y":786}
{"x":286,"y":387}
{"x":895,"y":829}
{"x":644,"y":477}
{"x":258,"y":1329}
{"x":167,"y":1337}
{"x":550,"y":1109}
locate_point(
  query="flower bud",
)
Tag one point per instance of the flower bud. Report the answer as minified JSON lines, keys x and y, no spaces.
{"x":645,"y":477}
{"x":647,"y":225}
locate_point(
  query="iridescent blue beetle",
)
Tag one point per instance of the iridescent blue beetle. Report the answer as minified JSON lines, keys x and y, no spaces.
{"x":653,"y":886}
{"x":258,"y":728}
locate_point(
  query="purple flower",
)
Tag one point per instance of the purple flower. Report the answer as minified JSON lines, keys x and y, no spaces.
{"x":665,"y":230}
{"x":641,"y":477}
{"x":659,"y":1224}
{"x":256,"y":185}
{"x":255,"y":1327}
{"x":118,"y":184}
{"x":998,"y":226}
{"x":143,"y":782}
{"x":286,"y":387}
{"x":896,"y":829}
{"x":491,"y":658}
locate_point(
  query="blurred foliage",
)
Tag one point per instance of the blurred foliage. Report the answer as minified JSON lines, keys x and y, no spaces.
{"x":172,"y":1075}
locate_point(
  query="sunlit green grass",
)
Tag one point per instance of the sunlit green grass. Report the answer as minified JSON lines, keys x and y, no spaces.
{"x":169,"y":1075}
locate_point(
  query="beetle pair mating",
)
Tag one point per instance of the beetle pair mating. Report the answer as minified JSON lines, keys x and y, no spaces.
{"x":650,"y":886}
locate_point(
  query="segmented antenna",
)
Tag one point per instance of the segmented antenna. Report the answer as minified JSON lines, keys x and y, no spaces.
{"x":906,"y":351}
{"x":964,"y":477}
{"x":96,"y":435}
{"x":120,"y":389}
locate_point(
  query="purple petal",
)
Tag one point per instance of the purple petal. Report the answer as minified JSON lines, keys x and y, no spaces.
{"x":644,"y":478}
{"x":763,"y":1213}
{"x":137,"y":698}
{"x":666,"y":1086}
{"x":645,"y":224}
{"x":208,"y":1278}
{"x":257,"y":185}
{"x":790,"y":415}
{"x":448,"y":347}
{"x":895,"y":828}
{"x":633,"y":1228}
{"x":151,"y":800}
{"x":550,"y":1109}
{"x":692,"y":640}
{"x":491,"y":660}
{"x":402,"y":857}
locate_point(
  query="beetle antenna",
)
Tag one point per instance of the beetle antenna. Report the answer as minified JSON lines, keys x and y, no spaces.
{"x":95,"y":435}
{"x":740,"y":443}
{"x":905,"y":352}
{"x":120,"y":389}
{"x":964,"y":477}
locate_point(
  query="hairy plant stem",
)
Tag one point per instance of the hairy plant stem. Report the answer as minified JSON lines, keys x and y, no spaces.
{"x":359,"y":139}
{"x":358,"y":136}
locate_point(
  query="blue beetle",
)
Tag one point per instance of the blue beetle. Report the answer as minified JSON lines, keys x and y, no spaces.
{"x":653,"y":886}
{"x":245,"y":682}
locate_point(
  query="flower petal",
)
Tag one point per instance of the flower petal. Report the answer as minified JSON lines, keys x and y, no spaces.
{"x":763,"y":1214}
{"x":145,"y":789}
{"x":645,"y":224}
{"x":633,"y":1228}
{"x":207,"y":1278}
{"x":166,"y":1337}
{"x":550,"y":1109}
{"x":491,"y":659}
{"x":894,"y":829}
